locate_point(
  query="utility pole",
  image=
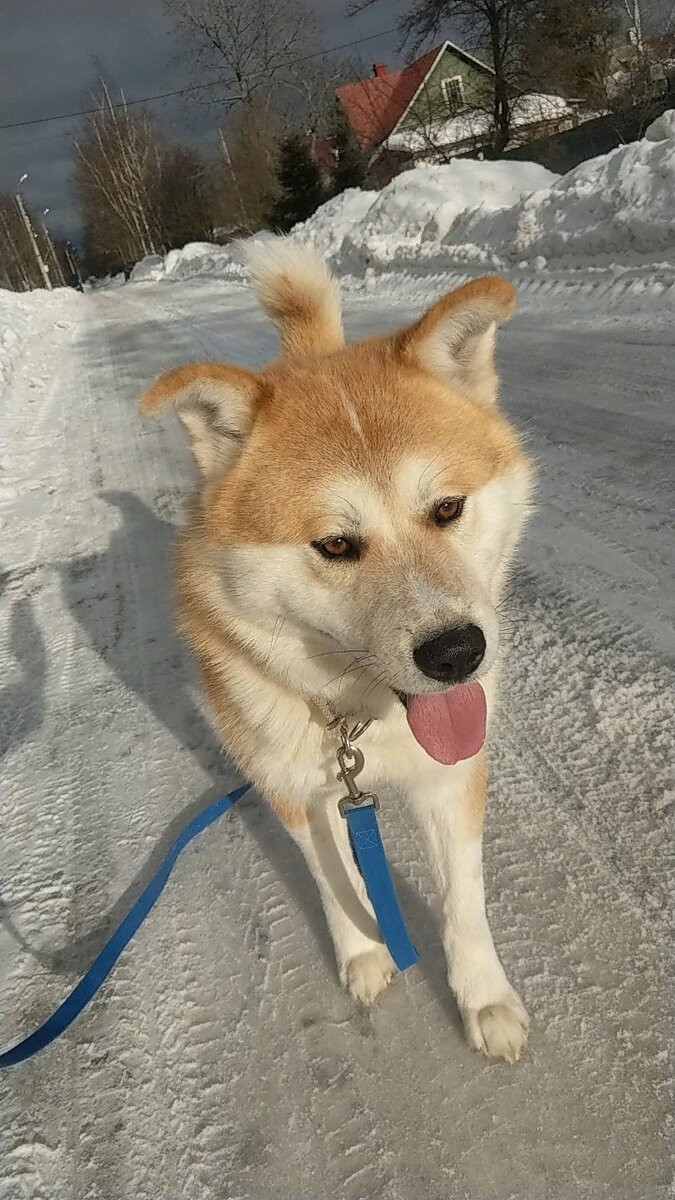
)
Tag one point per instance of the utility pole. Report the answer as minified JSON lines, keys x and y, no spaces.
{"x":44,"y":269}
{"x":73,"y":263}
{"x":235,"y":181}
{"x":18,"y":261}
{"x":59,"y":276}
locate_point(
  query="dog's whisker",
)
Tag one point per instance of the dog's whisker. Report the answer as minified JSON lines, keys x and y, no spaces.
{"x":330,"y":653}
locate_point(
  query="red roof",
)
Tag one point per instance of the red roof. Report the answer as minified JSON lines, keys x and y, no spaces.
{"x":375,"y":105}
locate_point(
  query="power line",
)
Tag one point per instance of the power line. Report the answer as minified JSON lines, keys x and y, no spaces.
{"x":85,"y":112}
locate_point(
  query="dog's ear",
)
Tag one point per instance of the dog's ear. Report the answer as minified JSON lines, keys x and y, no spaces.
{"x":215,"y":402}
{"x":454,"y":340}
{"x":298,"y":293}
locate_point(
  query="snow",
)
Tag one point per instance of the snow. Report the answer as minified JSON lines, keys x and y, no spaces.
{"x":418,"y":210}
{"x":527,"y":110}
{"x":662,"y":128}
{"x":197,"y":258}
{"x":222,"y":1058}
{"x":618,"y":208}
{"x":613,"y":213}
{"x":222,"y":1028}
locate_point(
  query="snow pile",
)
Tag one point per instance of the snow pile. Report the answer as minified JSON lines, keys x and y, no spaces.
{"x":420,"y":209}
{"x":197,"y":258}
{"x":662,"y":128}
{"x":334,"y":221}
{"x":619,"y":208}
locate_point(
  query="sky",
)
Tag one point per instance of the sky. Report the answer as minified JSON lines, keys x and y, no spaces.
{"x":48,"y":55}
{"x":49,"y":50}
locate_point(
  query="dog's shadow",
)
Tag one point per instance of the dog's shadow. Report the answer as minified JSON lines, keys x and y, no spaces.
{"x":121,"y":597}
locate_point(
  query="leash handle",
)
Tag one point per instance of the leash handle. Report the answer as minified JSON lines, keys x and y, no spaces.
{"x":104,"y":962}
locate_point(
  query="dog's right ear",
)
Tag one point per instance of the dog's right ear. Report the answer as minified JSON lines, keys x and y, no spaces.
{"x":215,"y":402}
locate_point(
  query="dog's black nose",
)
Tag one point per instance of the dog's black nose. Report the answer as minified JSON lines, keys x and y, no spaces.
{"x":452,"y":655}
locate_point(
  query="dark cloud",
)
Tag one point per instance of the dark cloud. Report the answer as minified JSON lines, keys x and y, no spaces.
{"x":49,"y":51}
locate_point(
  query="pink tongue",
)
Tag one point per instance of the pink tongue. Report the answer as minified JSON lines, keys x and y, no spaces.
{"x":450,"y":726}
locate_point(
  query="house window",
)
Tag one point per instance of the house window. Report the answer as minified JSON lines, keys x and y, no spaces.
{"x":453,"y":90}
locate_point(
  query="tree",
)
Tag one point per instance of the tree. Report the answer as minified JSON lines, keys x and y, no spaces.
{"x":186,"y":197}
{"x":300,"y":185}
{"x":351,"y":167}
{"x":495,"y":26}
{"x":568,"y":48}
{"x":260,"y":44}
{"x":138,"y":193}
{"x":246,"y":182}
{"x":116,"y":172}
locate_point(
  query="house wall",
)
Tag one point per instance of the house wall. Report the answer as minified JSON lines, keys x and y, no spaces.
{"x":431,"y":104}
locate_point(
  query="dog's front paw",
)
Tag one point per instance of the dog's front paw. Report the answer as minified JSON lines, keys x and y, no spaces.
{"x":366,"y":975}
{"x":498,"y":1030}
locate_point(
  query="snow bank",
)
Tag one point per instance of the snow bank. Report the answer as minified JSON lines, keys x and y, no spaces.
{"x":197,"y":258}
{"x":334,"y":221}
{"x":618,"y":208}
{"x":419,"y":210}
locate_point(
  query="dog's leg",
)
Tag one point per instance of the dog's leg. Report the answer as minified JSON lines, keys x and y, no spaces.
{"x":495,"y":1021}
{"x":364,"y":963}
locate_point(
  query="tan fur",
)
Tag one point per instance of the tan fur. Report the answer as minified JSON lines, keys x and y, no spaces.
{"x":268,"y":497}
{"x":292,"y":815}
{"x":180,"y":379}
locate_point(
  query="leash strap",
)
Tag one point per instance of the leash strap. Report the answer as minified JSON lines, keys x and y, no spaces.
{"x":368,"y":850}
{"x":104,"y":962}
{"x":370,"y":858}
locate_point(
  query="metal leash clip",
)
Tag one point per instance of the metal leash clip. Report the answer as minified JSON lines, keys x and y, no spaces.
{"x":351,"y":762}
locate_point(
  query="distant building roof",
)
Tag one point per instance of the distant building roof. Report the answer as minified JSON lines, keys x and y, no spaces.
{"x":375,"y":105}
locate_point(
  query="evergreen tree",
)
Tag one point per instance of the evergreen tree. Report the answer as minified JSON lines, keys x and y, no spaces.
{"x":300,"y":185}
{"x":350,"y":162}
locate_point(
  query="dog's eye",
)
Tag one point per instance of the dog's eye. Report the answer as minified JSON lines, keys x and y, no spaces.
{"x":337,"y":547}
{"x":449,"y":509}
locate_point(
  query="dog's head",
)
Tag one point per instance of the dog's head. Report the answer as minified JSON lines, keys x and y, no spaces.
{"x":369,"y":495}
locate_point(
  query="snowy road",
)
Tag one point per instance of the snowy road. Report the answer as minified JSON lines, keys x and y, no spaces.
{"x":222,"y":1060}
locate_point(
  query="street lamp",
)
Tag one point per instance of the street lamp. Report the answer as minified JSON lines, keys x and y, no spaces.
{"x":52,"y":249}
{"x":44,"y":269}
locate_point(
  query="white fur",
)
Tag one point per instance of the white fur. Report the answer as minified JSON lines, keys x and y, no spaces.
{"x":216,"y":416}
{"x":357,"y":506}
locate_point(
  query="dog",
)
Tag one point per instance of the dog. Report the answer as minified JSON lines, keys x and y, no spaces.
{"x":345,"y":556}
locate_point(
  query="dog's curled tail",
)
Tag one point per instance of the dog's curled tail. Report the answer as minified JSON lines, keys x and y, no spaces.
{"x":298,"y":292}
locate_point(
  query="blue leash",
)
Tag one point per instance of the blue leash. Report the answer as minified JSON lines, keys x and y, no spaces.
{"x":104,"y":962}
{"x":368,"y":852}
{"x":364,"y":835}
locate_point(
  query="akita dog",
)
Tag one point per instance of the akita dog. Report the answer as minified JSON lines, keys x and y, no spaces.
{"x":345,"y":556}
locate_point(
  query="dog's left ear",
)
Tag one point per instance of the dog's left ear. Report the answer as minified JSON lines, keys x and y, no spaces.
{"x":454,"y":340}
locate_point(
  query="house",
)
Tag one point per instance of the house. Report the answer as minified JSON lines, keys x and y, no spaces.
{"x":437,"y":107}
{"x":642,"y":65}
